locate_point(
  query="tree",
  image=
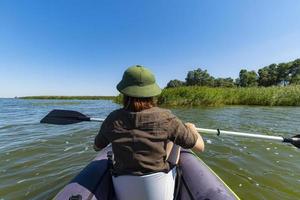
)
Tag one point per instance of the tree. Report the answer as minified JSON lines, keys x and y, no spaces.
{"x":175,"y":83}
{"x":237,"y":82}
{"x":243,"y":78}
{"x":296,"y":80}
{"x":247,"y":78}
{"x":295,"y":72}
{"x":283,"y":74}
{"x":199,"y":77}
{"x":273,"y":75}
{"x":263,"y":77}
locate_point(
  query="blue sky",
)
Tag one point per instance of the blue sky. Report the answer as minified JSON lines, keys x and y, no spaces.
{"x":76,"y":47}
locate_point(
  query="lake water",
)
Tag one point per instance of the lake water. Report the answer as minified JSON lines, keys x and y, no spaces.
{"x":37,"y":160}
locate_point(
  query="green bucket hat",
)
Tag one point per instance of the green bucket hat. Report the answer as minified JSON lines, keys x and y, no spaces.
{"x":138,"y":81}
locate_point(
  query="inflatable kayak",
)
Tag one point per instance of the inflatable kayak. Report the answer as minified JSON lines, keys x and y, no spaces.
{"x":197,"y":181}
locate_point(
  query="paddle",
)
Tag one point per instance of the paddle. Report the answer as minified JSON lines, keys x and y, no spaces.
{"x":63,"y":117}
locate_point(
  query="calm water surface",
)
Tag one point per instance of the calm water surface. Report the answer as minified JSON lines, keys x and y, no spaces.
{"x":37,"y":160}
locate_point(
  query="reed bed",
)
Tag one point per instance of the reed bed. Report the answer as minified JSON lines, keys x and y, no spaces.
{"x":208,"y":96}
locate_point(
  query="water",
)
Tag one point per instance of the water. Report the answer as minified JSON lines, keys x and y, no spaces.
{"x":37,"y":160}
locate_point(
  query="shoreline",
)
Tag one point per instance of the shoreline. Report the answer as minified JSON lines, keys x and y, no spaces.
{"x":69,"y":97}
{"x":194,"y":96}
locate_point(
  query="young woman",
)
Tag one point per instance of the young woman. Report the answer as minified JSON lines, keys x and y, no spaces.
{"x":141,"y":134}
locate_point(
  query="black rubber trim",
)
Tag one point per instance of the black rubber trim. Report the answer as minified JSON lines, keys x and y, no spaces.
{"x":178,"y":182}
{"x":187,"y":189}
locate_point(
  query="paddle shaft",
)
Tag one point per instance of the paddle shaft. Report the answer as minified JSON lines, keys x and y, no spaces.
{"x":249,"y":135}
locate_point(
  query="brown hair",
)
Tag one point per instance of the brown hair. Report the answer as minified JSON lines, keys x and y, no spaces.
{"x":137,"y":104}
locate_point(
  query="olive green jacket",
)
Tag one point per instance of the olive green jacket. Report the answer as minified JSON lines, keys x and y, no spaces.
{"x":139,"y":139}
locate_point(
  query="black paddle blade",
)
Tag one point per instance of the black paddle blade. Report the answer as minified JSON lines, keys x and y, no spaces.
{"x":296,"y":142}
{"x":63,"y":117}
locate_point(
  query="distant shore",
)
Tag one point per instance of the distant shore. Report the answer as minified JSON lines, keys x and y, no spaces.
{"x":210,"y":96}
{"x":70,"y":97}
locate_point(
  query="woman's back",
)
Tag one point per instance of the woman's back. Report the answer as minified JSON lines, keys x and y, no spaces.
{"x":139,"y":139}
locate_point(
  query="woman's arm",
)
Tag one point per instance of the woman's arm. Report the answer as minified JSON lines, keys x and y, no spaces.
{"x":185,"y":135}
{"x":199,"y":145}
{"x":100,"y":141}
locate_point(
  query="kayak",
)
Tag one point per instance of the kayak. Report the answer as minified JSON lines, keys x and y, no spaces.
{"x":197,"y":181}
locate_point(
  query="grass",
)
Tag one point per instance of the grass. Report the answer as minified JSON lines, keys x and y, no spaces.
{"x":265,"y":96}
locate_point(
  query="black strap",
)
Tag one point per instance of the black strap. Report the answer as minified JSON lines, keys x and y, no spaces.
{"x":178,"y":182}
{"x":110,"y":163}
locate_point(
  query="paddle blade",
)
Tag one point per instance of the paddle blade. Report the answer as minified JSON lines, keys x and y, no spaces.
{"x":63,"y":117}
{"x":296,"y":141}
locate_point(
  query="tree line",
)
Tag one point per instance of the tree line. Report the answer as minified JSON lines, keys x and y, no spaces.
{"x":272,"y":75}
